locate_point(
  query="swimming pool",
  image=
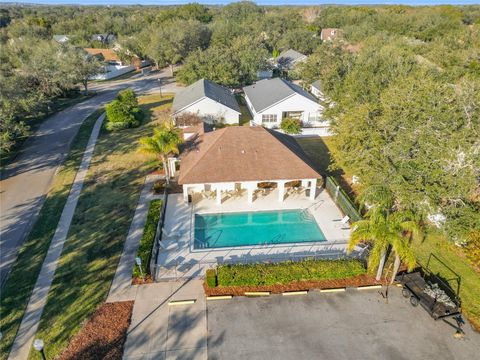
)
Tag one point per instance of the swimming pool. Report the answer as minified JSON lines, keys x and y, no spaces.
{"x":255,"y":228}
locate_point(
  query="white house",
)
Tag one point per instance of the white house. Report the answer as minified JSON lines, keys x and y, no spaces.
{"x":272,"y":100}
{"x":210,"y":101}
{"x":316,"y":90}
{"x":288,"y":59}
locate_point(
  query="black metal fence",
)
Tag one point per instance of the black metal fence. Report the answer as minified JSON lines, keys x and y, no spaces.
{"x":158,"y":235}
{"x":342,"y":200}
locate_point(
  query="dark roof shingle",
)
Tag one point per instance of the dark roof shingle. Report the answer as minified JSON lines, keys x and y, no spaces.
{"x":268,"y":92}
{"x":204,"y":88}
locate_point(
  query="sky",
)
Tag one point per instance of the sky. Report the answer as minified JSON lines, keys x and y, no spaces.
{"x":260,"y":2}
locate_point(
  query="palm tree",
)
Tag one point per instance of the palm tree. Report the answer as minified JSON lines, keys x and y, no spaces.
{"x":386,"y":229}
{"x":165,"y":141}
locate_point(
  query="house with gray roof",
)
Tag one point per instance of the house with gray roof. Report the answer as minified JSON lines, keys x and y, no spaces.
{"x":288,"y":59}
{"x":61,"y":39}
{"x":210,"y":101}
{"x":272,"y":100}
{"x":316,"y":90}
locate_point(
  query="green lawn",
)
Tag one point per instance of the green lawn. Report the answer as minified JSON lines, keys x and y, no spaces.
{"x":318,"y":149}
{"x":21,"y":280}
{"x":37,"y":119}
{"x":245,"y":117}
{"x":470,"y":279}
{"x":98,"y":231}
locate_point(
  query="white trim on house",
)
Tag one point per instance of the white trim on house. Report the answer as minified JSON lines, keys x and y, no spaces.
{"x":311,"y":112}
{"x":211,"y":111}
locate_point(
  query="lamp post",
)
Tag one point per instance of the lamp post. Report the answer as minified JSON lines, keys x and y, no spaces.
{"x":160,"y":85}
{"x":138,"y":261}
{"x":38,"y":345}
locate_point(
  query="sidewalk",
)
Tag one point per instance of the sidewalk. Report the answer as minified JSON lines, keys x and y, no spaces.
{"x":121,"y":288}
{"x":31,"y":319}
{"x":159,"y":331}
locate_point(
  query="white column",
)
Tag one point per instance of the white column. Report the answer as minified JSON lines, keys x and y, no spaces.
{"x":185,"y":193}
{"x":171,"y":162}
{"x":305,"y":183}
{"x":313,"y":189}
{"x":219,"y":195}
{"x":250,"y":195}
{"x":281,"y":190}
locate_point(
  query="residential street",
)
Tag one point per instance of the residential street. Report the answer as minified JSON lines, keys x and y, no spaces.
{"x":25,"y":182}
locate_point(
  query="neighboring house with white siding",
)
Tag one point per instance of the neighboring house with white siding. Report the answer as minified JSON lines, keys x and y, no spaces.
{"x":210,"y":101}
{"x":272,"y":100}
{"x":316,"y":90}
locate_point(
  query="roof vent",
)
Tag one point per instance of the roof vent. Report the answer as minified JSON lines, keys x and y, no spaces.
{"x":243,"y":151}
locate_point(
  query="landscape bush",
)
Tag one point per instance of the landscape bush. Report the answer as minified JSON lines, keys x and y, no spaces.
{"x":123,"y":112}
{"x":148,"y":238}
{"x":287,"y":272}
{"x":291,"y":126}
{"x":211,"y":278}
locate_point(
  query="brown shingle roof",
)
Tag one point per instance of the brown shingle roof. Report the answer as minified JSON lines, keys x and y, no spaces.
{"x":240,"y":153}
{"x":107,"y":54}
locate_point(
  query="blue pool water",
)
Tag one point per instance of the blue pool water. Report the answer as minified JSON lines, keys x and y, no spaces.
{"x":255,"y":228}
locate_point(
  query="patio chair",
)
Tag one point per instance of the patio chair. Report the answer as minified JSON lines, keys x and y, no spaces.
{"x":345,"y":220}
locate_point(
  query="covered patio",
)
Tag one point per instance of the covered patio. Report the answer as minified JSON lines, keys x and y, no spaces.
{"x":250,"y":162}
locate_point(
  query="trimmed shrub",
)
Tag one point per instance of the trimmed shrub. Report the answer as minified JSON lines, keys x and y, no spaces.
{"x":123,"y":112}
{"x":287,"y":272}
{"x":291,"y":126}
{"x":148,"y":237}
{"x":211,"y":278}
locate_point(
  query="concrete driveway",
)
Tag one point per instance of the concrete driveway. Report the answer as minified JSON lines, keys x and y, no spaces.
{"x":25,"y":182}
{"x":352,"y":325}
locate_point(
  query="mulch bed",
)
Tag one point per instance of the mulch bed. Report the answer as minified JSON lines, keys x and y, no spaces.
{"x":361,"y":280}
{"x":103,"y":336}
{"x":139,"y":281}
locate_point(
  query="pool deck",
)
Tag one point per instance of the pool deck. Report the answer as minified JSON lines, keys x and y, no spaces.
{"x":180,"y":259}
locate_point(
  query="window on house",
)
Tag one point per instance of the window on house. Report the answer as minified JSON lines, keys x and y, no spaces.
{"x":269,"y":118}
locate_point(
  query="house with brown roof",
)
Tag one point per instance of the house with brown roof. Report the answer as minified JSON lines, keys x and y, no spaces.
{"x":241,"y":158}
{"x":329,"y":34}
{"x":113,"y":64}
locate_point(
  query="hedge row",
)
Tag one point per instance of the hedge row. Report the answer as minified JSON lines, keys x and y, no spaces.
{"x":146,"y":243}
{"x":287,"y":272}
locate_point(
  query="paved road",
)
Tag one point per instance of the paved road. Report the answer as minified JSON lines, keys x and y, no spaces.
{"x":24,"y":183}
{"x":355,"y":324}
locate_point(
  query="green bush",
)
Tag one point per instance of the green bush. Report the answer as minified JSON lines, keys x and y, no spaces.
{"x":211,"y":278}
{"x":146,"y":243}
{"x":123,"y":112}
{"x":286,"y":272}
{"x":291,"y":126}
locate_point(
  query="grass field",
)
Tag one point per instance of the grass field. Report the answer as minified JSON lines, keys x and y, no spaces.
{"x":23,"y":276}
{"x":437,"y":244}
{"x":318,"y":149}
{"x":98,"y":231}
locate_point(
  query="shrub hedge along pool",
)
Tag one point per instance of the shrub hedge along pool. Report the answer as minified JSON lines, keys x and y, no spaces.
{"x":287,"y":272}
